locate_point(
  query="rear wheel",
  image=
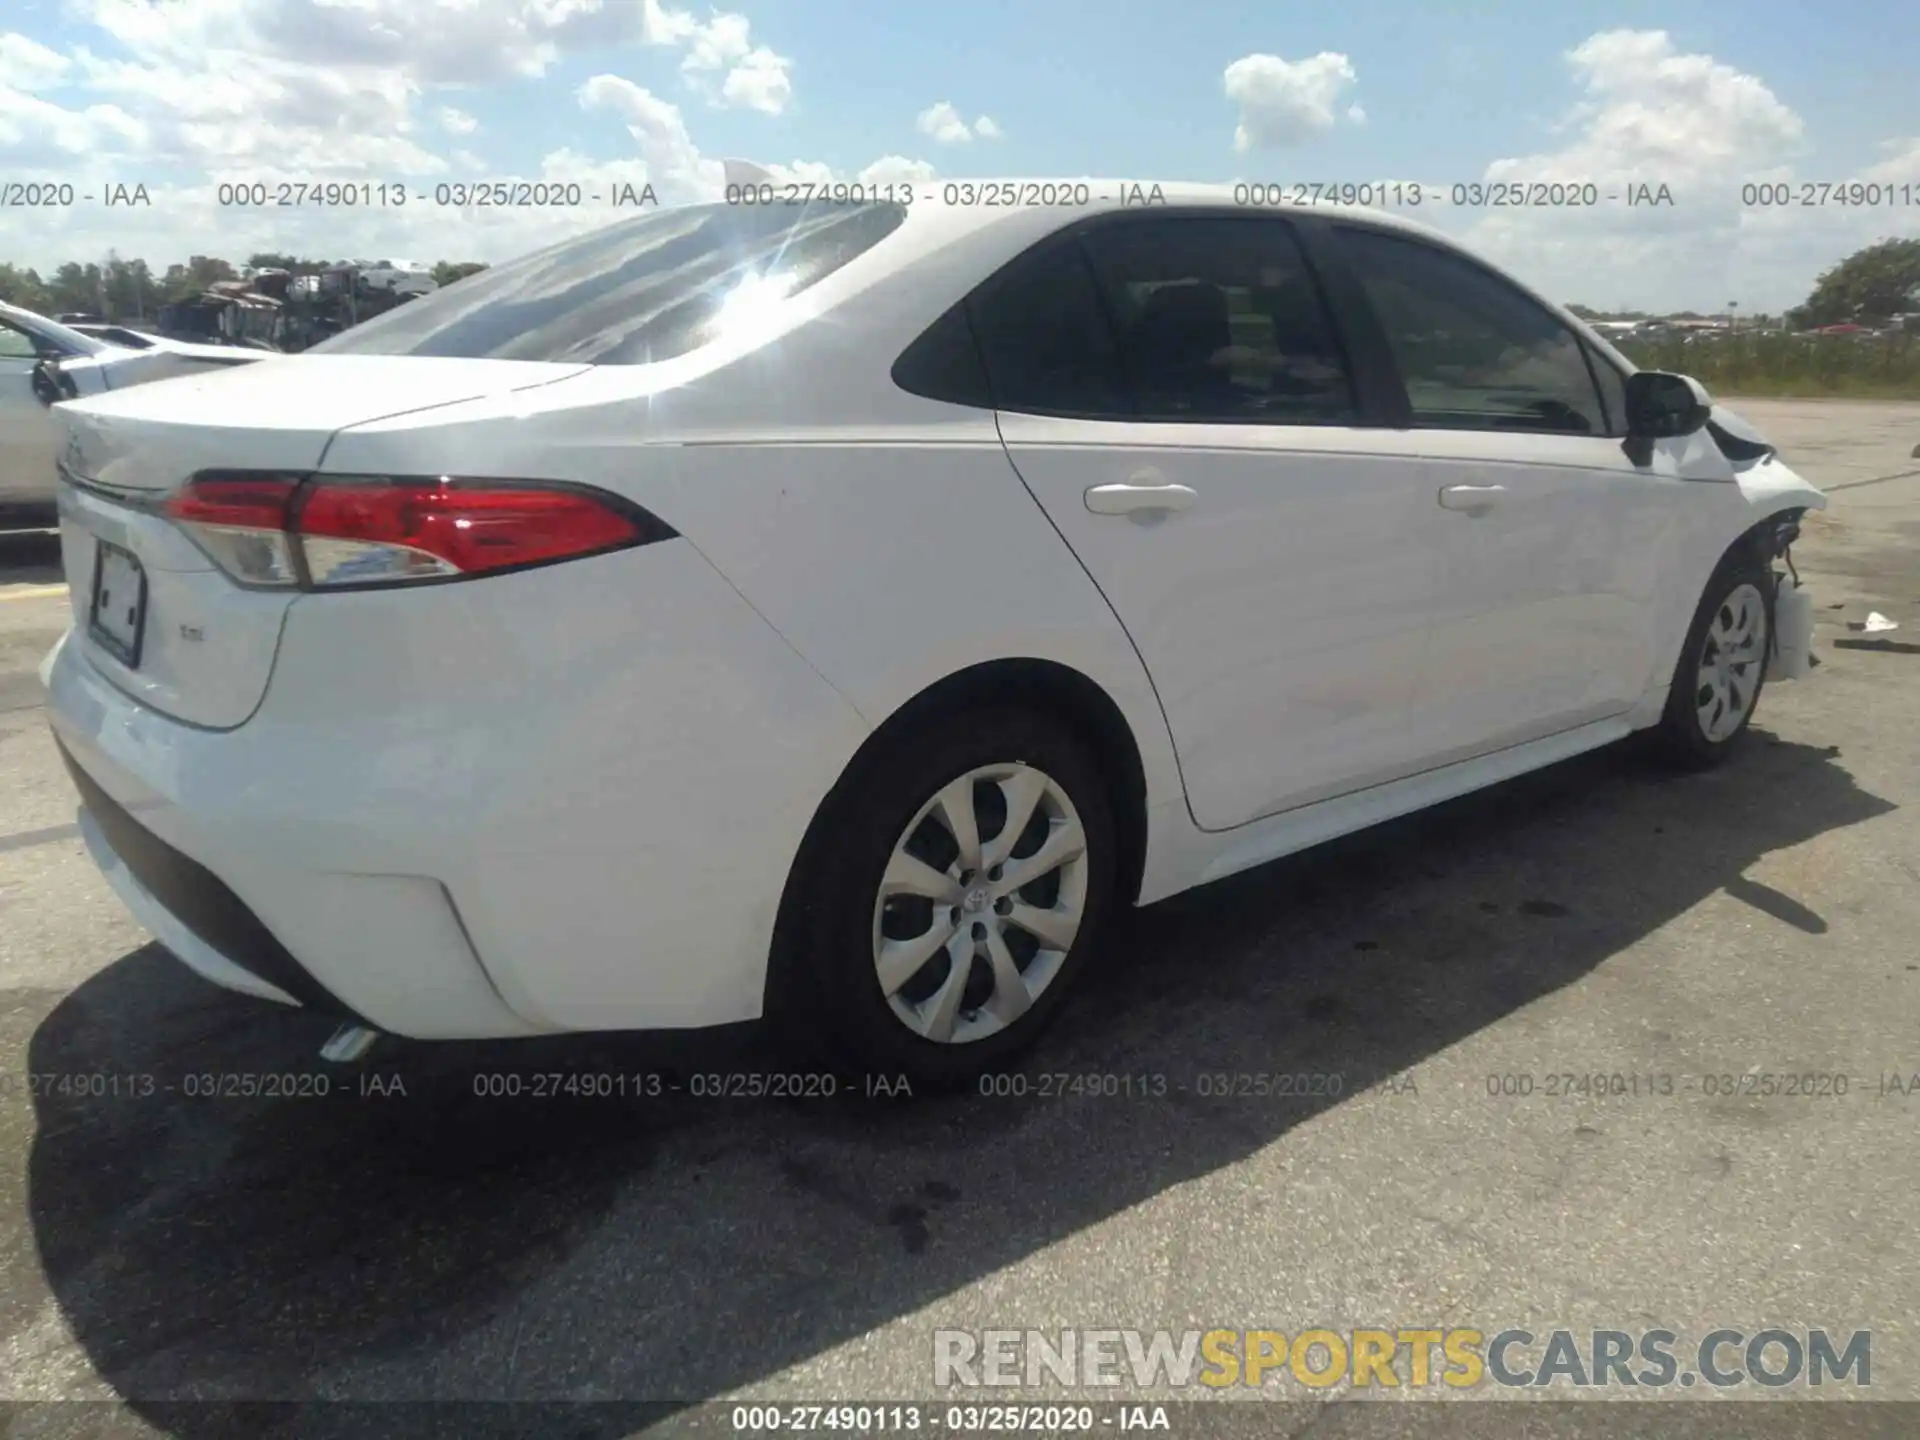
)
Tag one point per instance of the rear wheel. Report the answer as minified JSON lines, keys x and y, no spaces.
{"x":948,"y":897}
{"x":1723,"y":665}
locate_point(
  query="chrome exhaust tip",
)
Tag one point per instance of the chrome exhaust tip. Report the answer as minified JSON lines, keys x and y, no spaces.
{"x":348,"y":1043}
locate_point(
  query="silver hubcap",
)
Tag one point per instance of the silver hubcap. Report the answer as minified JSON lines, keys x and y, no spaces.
{"x":982,"y":897}
{"x":1731,"y":660}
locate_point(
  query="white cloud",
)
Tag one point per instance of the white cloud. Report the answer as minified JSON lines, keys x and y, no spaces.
{"x":345,"y":90}
{"x":375,"y":89}
{"x":28,"y":65}
{"x":895,"y":170}
{"x":945,"y":124}
{"x":1902,"y":165}
{"x":429,"y":43}
{"x":36,"y":132}
{"x":759,"y":82}
{"x":1649,"y":106}
{"x":672,"y":160}
{"x":658,"y":25}
{"x":452,"y":42}
{"x":718,"y":43}
{"x":1283,"y":102}
{"x":1649,"y":114}
{"x":755,"y":77}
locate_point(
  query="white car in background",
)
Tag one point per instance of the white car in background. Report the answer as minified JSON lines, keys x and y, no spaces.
{"x":399,"y":277}
{"x":838,"y":613}
{"x":42,"y":363}
{"x":124,"y":336}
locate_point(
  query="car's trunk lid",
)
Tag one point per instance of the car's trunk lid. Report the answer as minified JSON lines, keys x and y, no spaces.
{"x":278,"y":412}
{"x":155,"y":614}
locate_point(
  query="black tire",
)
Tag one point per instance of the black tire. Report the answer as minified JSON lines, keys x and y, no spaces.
{"x":824,"y":998}
{"x":1681,"y":739}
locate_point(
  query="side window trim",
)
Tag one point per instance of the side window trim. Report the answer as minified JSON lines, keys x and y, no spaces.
{"x":1491,"y":274}
{"x":1129,"y":391}
{"x":1380,"y":394}
{"x":1616,"y":424}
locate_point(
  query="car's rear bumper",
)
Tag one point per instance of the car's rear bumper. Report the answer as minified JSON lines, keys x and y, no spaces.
{"x":383,"y":950}
{"x":478,"y":811}
{"x":189,"y":909}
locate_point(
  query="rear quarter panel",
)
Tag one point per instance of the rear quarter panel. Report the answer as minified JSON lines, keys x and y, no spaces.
{"x":889,"y":555}
{"x":887,"y":537}
{"x":894,"y":562}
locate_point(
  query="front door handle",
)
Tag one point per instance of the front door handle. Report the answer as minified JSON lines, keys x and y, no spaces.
{"x":1136,"y":499}
{"x":1471,"y":499}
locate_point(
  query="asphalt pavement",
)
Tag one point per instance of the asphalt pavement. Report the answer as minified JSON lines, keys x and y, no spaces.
{"x":409,"y":1237}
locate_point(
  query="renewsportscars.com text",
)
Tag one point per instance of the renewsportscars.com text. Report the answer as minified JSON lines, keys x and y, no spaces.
{"x":1456,"y":1358}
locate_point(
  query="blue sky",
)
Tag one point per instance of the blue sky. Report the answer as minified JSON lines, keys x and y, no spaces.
{"x":182,"y":94}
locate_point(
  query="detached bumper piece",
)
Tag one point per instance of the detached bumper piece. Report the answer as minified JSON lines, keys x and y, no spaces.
{"x":1792,"y":632}
{"x":201,"y":901}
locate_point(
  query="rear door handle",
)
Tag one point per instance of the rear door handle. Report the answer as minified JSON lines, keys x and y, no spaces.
{"x":1471,"y":499}
{"x":1133,"y":499}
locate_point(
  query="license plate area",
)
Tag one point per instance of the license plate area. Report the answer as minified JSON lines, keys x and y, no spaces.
{"x":117,"y":613}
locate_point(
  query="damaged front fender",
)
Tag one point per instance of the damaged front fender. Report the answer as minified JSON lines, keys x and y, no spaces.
{"x":1769,"y":484}
{"x":1773,"y":489}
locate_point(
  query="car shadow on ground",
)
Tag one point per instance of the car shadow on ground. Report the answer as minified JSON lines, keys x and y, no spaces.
{"x":459,"y":1245}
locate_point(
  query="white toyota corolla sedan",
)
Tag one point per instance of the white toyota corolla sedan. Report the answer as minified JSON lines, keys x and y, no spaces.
{"x":838,"y":613}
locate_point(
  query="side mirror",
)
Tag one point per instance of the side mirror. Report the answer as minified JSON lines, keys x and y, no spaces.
{"x":51,"y":384}
{"x":1661,"y":406}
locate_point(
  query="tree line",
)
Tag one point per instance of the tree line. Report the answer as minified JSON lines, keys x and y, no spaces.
{"x":1869,"y":287}
{"x":130,"y":289}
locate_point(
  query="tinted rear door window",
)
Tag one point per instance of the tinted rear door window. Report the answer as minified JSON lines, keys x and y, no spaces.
{"x":944,"y":364}
{"x":1045,"y":340}
{"x":1219,"y":320}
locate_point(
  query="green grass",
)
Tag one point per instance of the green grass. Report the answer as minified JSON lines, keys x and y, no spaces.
{"x":1790,"y":366}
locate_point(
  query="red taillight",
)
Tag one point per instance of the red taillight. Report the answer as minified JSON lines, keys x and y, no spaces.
{"x":252,"y":502}
{"x":241,"y":522}
{"x":453,"y":529}
{"x":329,"y":532}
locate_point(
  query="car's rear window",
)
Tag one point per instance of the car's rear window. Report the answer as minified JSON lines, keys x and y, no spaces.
{"x":647,"y":289}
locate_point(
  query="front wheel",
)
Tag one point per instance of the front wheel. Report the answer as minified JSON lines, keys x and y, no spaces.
{"x":948,"y":897}
{"x":1723,"y":665}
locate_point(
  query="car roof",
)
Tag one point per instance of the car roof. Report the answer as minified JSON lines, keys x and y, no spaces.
{"x":936,"y":220}
{"x":972,"y":204}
